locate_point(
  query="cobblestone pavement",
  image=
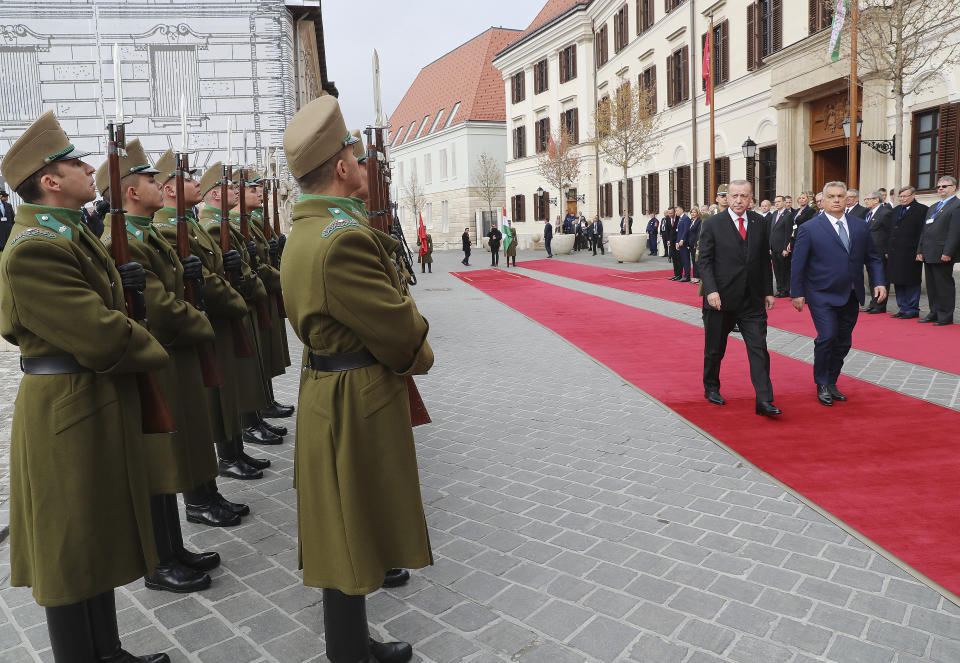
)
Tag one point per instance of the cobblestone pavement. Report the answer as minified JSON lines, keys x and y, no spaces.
{"x":573,"y":519}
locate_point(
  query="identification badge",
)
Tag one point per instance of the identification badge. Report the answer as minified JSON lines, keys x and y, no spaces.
{"x":930,"y":220}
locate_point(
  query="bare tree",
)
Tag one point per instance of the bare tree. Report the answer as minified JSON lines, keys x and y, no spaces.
{"x":628,"y":129}
{"x":559,"y":165}
{"x":907,"y":42}
{"x":413,"y":194}
{"x":489,"y":178}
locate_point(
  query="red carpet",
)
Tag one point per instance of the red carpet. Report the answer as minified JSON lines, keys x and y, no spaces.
{"x":884,"y":463}
{"x":926,"y":345}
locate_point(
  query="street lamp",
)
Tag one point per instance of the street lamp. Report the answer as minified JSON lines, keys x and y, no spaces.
{"x":749,"y":149}
{"x":553,"y":201}
{"x":881,"y":146}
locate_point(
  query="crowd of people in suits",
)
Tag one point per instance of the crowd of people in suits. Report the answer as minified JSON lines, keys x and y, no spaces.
{"x":588,"y":235}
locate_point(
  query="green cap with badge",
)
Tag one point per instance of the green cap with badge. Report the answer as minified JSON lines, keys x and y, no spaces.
{"x":41,"y":144}
{"x":722,"y":190}
{"x":134,"y":162}
{"x":315,"y":134}
{"x":167,"y":167}
{"x":211,"y":178}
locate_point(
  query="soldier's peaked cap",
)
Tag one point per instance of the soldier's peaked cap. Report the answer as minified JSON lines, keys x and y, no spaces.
{"x":211,"y":178}
{"x":135,"y":162}
{"x":167,"y":167}
{"x":359,"y":150}
{"x":315,"y":134}
{"x":42,"y":143}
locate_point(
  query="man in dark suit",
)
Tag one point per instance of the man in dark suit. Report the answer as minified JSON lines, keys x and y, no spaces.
{"x":780,"y":229}
{"x":666,"y":231}
{"x":938,"y":250}
{"x":738,"y":289}
{"x":879,"y":222}
{"x":6,"y":218}
{"x":903,"y":270}
{"x":828,"y":260}
{"x":653,"y":229}
{"x":494,"y":237}
{"x":548,"y":236}
{"x":681,"y":262}
{"x":465,"y":238}
{"x":597,"y":235}
{"x":852,"y":205}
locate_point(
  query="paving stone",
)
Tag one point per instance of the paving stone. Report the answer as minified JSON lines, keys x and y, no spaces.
{"x":200,"y":634}
{"x":802,"y":636}
{"x":558,"y":619}
{"x":848,"y":650}
{"x":706,"y":636}
{"x":604,"y":638}
{"x":651,"y":648}
{"x":746,"y":619}
{"x":234,"y":650}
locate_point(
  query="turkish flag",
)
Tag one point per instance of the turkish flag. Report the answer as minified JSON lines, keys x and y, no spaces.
{"x":708,"y":68}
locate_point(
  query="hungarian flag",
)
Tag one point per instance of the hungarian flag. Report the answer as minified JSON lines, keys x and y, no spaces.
{"x":839,"y":16}
{"x":707,"y":67}
{"x":506,"y":229}
{"x":422,"y":235}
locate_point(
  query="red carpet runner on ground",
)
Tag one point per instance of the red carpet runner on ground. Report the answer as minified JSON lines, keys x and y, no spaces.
{"x":906,"y":340}
{"x":895,"y":479}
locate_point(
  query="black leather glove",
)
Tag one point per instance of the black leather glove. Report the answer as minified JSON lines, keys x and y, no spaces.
{"x":283,"y":241}
{"x":192,"y":268}
{"x":233,"y":263}
{"x":132,"y":277}
{"x":274,"y":247}
{"x":252,"y":252}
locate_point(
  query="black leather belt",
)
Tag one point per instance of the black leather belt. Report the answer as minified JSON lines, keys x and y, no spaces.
{"x":52,"y":365}
{"x":344,"y":361}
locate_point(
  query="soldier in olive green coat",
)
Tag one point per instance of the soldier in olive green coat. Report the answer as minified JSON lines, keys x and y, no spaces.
{"x":225,"y":307}
{"x":358,"y":495}
{"x":183,"y":459}
{"x":79,"y":510}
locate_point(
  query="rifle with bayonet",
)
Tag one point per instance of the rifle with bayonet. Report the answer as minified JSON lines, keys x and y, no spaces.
{"x":154,"y":412}
{"x":379,"y":210}
{"x":209,"y":366}
{"x":268,"y":233}
{"x":241,"y":342}
{"x":263,"y":315}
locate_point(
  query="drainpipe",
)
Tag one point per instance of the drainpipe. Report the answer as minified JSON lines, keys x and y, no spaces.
{"x":693,"y":104}
{"x":596,"y":147}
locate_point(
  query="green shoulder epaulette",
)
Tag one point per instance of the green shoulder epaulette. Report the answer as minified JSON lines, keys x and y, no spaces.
{"x":339,"y":224}
{"x":54,"y":225}
{"x":134,"y":230}
{"x":32,"y":232}
{"x":211,"y":225}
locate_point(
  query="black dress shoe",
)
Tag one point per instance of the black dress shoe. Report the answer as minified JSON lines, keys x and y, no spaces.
{"x":391,"y":652}
{"x":211,"y":514}
{"x":200,"y":561}
{"x":927,"y":318}
{"x":231,"y":507}
{"x":396,"y":578}
{"x":258,"y":435}
{"x":684,"y":280}
{"x":823,"y":395}
{"x":835,"y":393}
{"x":178,"y":578}
{"x":273,"y":428}
{"x":714,"y":397}
{"x":123,"y":656}
{"x":866,"y":309}
{"x":942,"y":323}
{"x":277,"y":411}
{"x":877,"y":310}
{"x":237,"y":469}
{"x":255,"y":463}
{"x":768,"y":409}
{"x":898,"y":314}
{"x":909,"y":316}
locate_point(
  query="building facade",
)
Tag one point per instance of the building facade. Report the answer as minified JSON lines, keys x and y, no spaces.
{"x":255,"y":64}
{"x":452,"y":114}
{"x":774,"y":84}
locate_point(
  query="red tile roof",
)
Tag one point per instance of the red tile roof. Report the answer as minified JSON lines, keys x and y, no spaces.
{"x":466,"y":76}
{"x":551,"y":10}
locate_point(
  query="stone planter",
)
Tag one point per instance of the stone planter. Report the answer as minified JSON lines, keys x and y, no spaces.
{"x":628,"y":248}
{"x":537,"y":242}
{"x":562,"y":245}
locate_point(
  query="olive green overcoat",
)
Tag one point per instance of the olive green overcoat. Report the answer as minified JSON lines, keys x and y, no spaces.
{"x":250,"y":384}
{"x":182,"y":460}
{"x":222,"y":304}
{"x":276,"y":353}
{"x":427,"y":258}
{"x":358,"y":493}
{"x":80,"y":519}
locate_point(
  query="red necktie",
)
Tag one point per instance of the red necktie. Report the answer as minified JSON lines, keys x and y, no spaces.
{"x":743,"y":229}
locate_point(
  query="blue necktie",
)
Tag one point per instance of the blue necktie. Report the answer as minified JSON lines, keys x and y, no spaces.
{"x":844,"y":237}
{"x":939,"y":205}
{"x":903,"y":212}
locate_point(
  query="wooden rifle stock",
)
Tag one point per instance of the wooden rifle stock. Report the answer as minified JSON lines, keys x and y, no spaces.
{"x":268,"y":235}
{"x":281,"y":309}
{"x":263,"y":315}
{"x":241,"y":342}
{"x":154,"y":413}
{"x":209,"y":366}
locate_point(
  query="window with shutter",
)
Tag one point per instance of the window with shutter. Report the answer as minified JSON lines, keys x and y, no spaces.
{"x":752,"y":177}
{"x":683,"y":187}
{"x":685,"y":71}
{"x":523,"y":207}
{"x":644,"y":201}
{"x":620,"y":198}
{"x":723,"y":176}
{"x":768,"y":172}
{"x":777,"y":25}
{"x":671,"y":95}
{"x":645,"y":15}
{"x":630,"y":197}
{"x":609,"y":199}
{"x":671,"y":185}
{"x":653,"y":187}
{"x":603,"y":199}
{"x":722,"y":54}
{"x":820,"y":15}
{"x":948,"y":140}
{"x":751,"y":36}
{"x":706,"y":182}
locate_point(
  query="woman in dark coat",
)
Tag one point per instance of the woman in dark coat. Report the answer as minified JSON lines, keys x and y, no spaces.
{"x":693,"y":237}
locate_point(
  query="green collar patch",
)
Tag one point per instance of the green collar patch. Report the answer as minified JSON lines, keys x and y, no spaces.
{"x":134,"y":230}
{"x":51,"y":222}
{"x":346,"y":221}
{"x":32,"y":232}
{"x":338,"y":213}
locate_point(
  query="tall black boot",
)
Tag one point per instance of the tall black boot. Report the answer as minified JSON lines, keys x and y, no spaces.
{"x":232,"y":464}
{"x":203,"y":509}
{"x":170,"y":575}
{"x":253,"y":433}
{"x":201,"y":561}
{"x":275,"y":410}
{"x":345,"y":627}
{"x":102,"y":611}
{"x":70,"y":634}
{"x":216,"y":496}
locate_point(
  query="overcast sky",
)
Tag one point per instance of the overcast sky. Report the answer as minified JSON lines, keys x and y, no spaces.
{"x":415,"y":33}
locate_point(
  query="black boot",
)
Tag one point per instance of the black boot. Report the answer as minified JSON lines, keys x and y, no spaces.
{"x":231,"y":462}
{"x":70,"y":634}
{"x":102,"y":611}
{"x":273,"y":428}
{"x":253,"y":433}
{"x":203,"y":509}
{"x":170,"y":575}
{"x":199,"y":561}
{"x":217,"y":497}
{"x":345,"y":627}
{"x":277,"y":411}
{"x":391,"y":652}
{"x":255,"y":463}
{"x":396,"y":577}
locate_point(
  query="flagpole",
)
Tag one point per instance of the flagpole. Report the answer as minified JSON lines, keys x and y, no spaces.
{"x":713,"y":104}
{"x":852,"y":151}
